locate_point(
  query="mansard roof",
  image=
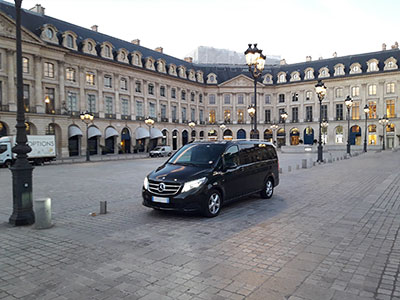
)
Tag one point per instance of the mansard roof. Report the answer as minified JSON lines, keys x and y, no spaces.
{"x":34,"y":23}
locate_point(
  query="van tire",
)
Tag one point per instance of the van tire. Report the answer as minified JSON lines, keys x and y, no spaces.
{"x":212,"y":206}
{"x":7,"y":164}
{"x":268,"y":189}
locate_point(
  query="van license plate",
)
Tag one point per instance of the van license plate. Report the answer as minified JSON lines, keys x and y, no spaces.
{"x":160,"y":199}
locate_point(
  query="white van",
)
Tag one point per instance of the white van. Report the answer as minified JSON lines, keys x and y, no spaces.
{"x":161,"y":151}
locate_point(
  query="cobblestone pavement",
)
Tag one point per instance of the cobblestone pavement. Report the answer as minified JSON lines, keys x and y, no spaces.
{"x":329,"y":232}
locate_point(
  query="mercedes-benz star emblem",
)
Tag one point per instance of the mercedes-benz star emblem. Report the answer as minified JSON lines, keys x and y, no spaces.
{"x":161,"y":187}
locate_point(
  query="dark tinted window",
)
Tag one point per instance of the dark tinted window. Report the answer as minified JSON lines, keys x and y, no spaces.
{"x":3,"y":148}
{"x":250,"y":153}
{"x":231,"y":156}
{"x":198,"y":154}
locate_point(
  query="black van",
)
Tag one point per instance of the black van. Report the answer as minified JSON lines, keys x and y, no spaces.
{"x":202,"y":176}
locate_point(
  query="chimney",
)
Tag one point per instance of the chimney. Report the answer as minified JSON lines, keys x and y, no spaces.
{"x":38,"y":9}
{"x":308,"y":58}
{"x":395,"y":46}
{"x":136,"y":42}
{"x":159,"y":49}
{"x":282,"y":62}
{"x":383,"y":47}
{"x":334,"y":54}
{"x":320,"y":58}
{"x":95,"y":28}
{"x":188,"y":59}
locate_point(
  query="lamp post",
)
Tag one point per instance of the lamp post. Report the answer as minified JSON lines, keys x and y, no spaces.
{"x":192,"y":125}
{"x":384,"y":121}
{"x":255,"y":60}
{"x":274,"y":128}
{"x":222,"y":126}
{"x":149,"y":122}
{"x":366,"y":110}
{"x":87,"y":118}
{"x":349,"y":102}
{"x":284,"y":116}
{"x":251,"y":111}
{"x":320,"y":89}
{"x":324,"y":125}
{"x":21,"y":170}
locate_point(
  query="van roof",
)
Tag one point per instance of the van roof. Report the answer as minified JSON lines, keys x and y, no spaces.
{"x":225,"y":142}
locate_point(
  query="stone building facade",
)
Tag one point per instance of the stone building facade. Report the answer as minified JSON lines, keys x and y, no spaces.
{"x":69,"y":69}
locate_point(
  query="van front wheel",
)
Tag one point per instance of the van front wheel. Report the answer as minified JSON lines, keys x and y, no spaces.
{"x":268,"y":190}
{"x":213,"y":205}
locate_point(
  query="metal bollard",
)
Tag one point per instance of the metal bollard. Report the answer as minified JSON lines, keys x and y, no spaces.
{"x":42,"y":209}
{"x":103,"y":207}
{"x":304,"y":163}
{"x":297,"y":167}
{"x":280,"y":170}
{"x":289,"y":168}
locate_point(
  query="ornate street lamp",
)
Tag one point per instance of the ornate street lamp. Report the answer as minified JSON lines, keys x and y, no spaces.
{"x":366,"y":110}
{"x":320,"y":89}
{"x":222,"y":127}
{"x":325,"y":125}
{"x":251,"y":111}
{"x":21,"y":170}
{"x":284,"y":116}
{"x":384,"y":121}
{"x":256,"y":61}
{"x":149,"y":122}
{"x":274,"y":128}
{"x":87,"y":118}
{"x":192,"y":125}
{"x":349,"y":102}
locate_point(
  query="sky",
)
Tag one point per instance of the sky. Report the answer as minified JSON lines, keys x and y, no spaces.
{"x":292,"y":29}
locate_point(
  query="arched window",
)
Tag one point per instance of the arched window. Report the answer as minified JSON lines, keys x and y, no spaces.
{"x":70,"y":41}
{"x":107,"y":51}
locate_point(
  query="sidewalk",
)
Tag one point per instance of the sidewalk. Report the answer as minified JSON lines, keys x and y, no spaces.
{"x":80,"y":159}
{"x":329,"y":232}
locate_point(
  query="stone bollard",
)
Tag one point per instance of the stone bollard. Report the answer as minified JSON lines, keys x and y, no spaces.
{"x":297,"y":167}
{"x":314,"y":163}
{"x":311,"y":163}
{"x":103,"y":207}
{"x":42,"y":209}
{"x":289,"y":169}
{"x":280,"y":170}
{"x":304,"y":163}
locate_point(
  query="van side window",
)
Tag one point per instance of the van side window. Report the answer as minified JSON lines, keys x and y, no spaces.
{"x":247,"y":154}
{"x":271,"y":152}
{"x":3,"y":148}
{"x":231,"y":156}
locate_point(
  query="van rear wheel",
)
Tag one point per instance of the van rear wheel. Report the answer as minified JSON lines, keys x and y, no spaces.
{"x":213,"y":205}
{"x":268,"y":190}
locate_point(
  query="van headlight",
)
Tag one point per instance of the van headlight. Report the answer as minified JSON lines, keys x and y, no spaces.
{"x":193,"y":184}
{"x":146,"y":183}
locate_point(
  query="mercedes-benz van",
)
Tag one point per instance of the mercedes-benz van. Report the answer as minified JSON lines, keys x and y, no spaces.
{"x":202,"y":176}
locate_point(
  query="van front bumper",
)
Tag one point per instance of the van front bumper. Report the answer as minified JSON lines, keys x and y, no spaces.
{"x":189,"y":201}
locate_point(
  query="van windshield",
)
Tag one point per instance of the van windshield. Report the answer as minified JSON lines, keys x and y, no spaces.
{"x":198,"y":154}
{"x":156,"y":149}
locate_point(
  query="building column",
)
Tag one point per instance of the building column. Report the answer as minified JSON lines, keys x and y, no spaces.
{"x":39,"y":100}
{"x":82,"y":96}
{"x":117,"y":87}
{"x":11,"y":87}
{"x":61,"y":103}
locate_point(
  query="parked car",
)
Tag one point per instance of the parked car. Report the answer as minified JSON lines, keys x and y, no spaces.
{"x":161,"y":151}
{"x":202,"y":176}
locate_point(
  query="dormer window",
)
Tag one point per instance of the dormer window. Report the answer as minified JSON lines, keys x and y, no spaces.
{"x":309,"y":74}
{"x":90,"y":46}
{"x":339,"y":70}
{"x":212,"y":78}
{"x":295,"y":76}
{"x":281,"y":77}
{"x":49,"y":33}
{"x":199,"y":76}
{"x":172,"y":70}
{"x":107,"y":51}
{"x":372,"y":65}
{"x":70,"y":41}
{"x":390,"y":64}
{"x":355,"y":68}
{"x":150,"y":64}
{"x":182,"y":72}
{"x":161,"y":66}
{"x":267,"y":79}
{"x":324,"y":72}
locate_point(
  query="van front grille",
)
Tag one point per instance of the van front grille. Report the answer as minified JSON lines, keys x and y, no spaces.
{"x":164,"y":188}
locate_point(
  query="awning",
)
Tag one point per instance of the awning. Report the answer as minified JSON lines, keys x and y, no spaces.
{"x":141,"y":133}
{"x":74,"y":131}
{"x":155,"y":133}
{"x":93,"y":131}
{"x":110,"y":132}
